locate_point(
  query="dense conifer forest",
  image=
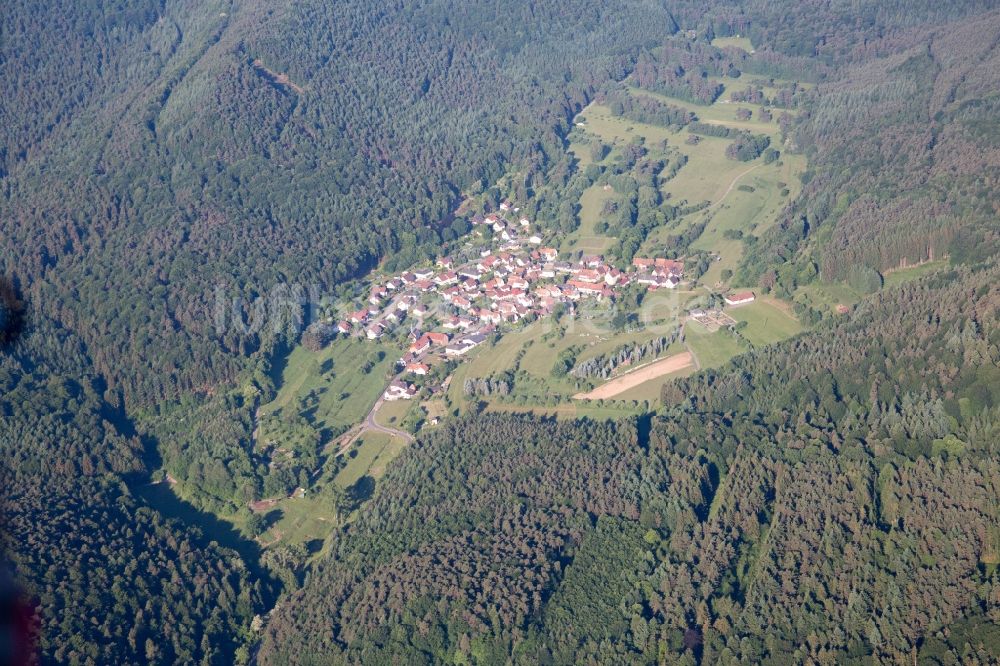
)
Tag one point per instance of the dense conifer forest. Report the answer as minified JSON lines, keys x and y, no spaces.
{"x":829,"y":499}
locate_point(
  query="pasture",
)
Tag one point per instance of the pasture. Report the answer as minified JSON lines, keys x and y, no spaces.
{"x":531,"y":353}
{"x":825,"y":296}
{"x":586,"y":239}
{"x":899,"y":276}
{"x":368,"y":457}
{"x":708,"y":176}
{"x":738,"y":42}
{"x":712,"y":350}
{"x":392,"y":412}
{"x":330,"y":388}
{"x":650,"y":390}
{"x":766,"y":322}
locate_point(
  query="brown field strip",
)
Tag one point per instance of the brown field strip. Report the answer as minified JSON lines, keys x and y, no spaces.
{"x":640,"y":375}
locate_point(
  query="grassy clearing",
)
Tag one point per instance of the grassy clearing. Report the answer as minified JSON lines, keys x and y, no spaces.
{"x":595,"y":411}
{"x":436,"y":409}
{"x":901,"y":275}
{"x":491,"y":359}
{"x":723,"y":112}
{"x":304,"y":519}
{"x":328,"y":387}
{"x":707,"y":176}
{"x":368,"y":457}
{"x":739,"y":42}
{"x":766,"y":323}
{"x":611,"y":129}
{"x":825,"y":296}
{"x":707,"y":173}
{"x":585,"y":238}
{"x":392,"y":413}
{"x":749,"y":212}
{"x":712,"y":350}
{"x":538,"y":345}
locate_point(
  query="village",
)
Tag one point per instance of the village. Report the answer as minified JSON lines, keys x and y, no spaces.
{"x":453,"y":307}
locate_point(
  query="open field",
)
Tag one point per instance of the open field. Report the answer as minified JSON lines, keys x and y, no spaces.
{"x":491,"y":359}
{"x":722,"y":111}
{"x":600,"y":123}
{"x":372,"y":452}
{"x":738,"y":42}
{"x":586,"y":238}
{"x":748,"y":212}
{"x":315,"y":516}
{"x":898,"y":276}
{"x":588,"y":410}
{"x":650,"y":390}
{"x":712,"y":349}
{"x":392,"y":412}
{"x":538,"y":345}
{"x":825,"y":296}
{"x":635,"y":378}
{"x":303,"y":519}
{"x":708,"y":176}
{"x":705,"y":177}
{"x":766,"y":322}
{"x":328,"y":387}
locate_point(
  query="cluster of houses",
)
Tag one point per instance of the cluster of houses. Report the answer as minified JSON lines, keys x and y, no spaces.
{"x":500,"y":287}
{"x":467,"y":300}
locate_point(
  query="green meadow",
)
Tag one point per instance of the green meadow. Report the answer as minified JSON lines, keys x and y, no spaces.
{"x":330,"y":388}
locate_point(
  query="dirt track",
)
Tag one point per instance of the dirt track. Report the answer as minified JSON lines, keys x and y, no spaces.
{"x":636,"y":377}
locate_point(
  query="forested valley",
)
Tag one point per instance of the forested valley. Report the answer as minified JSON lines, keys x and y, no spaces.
{"x":829,"y":499}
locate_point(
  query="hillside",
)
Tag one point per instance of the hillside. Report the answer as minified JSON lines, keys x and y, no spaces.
{"x":792,"y":495}
{"x":200,"y":466}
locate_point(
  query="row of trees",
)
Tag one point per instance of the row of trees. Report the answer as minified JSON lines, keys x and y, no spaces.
{"x":604,"y":365}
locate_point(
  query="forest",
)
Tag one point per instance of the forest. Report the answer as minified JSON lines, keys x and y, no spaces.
{"x":831,"y":499}
{"x":814,"y":502}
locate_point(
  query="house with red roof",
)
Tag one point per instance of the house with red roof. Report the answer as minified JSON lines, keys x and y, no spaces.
{"x":446,"y":278}
{"x":437,"y":339}
{"x":420,"y":345}
{"x":740,"y":298}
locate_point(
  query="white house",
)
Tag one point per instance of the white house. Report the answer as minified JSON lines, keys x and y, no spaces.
{"x":399,"y":390}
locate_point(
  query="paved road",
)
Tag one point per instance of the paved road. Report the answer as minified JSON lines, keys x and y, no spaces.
{"x":369,"y":424}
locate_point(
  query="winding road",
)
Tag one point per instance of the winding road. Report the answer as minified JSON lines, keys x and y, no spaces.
{"x":371,"y":425}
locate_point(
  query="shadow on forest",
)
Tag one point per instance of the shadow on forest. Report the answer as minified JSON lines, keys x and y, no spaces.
{"x":11,"y":312}
{"x":209,"y":528}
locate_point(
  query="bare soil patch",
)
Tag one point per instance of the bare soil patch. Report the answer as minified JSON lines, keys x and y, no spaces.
{"x":636,"y":377}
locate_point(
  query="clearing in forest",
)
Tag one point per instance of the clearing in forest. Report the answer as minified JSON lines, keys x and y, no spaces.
{"x":742,"y":197}
{"x":737,"y":41}
{"x":585,"y":238}
{"x":331,"y":389}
